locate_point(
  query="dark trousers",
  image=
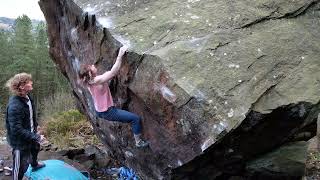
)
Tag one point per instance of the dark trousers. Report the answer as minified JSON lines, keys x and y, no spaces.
{"x":116,"y":114}
{"x":22,"y":159}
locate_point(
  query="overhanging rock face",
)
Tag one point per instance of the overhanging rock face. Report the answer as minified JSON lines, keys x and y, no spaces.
{"x":217,"y":83}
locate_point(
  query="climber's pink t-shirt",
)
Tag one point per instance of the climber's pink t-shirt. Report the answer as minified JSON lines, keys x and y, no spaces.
{"x":101,"y":96}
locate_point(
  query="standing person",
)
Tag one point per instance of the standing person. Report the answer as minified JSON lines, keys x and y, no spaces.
{"x":22,"y":126}
{"x":99,"y":88}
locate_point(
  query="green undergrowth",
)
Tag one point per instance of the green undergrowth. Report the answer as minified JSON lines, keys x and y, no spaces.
{"x":69,"y":129}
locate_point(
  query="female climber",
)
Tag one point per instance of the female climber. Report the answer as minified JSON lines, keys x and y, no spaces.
{"x":99,"y":89}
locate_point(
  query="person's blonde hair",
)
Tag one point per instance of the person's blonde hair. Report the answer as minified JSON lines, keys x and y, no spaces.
{"x":18,"y":80}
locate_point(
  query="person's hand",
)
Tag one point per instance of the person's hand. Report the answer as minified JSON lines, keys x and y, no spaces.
{"x":122,"y":50}
{"x":44,"y":141}
{"x":39,"y":130}
{"x":42,"y":138}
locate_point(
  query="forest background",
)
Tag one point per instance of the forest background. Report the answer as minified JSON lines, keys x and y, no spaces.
{"x":24,"y":47}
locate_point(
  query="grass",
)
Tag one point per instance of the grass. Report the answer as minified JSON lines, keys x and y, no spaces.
{"x":59,"y":102}
{"x":62,"y":124}
{"x":69,"y":129}
{"x":2,"y":125}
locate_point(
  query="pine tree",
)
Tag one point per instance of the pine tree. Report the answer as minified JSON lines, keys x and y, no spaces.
{"x":24,"y":45}
{"x":26,"y":50}
{"x":46,"y":76}
{"x":5,"y":59}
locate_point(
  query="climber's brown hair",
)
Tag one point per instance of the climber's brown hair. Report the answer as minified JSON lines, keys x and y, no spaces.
{"x":85,"y":73}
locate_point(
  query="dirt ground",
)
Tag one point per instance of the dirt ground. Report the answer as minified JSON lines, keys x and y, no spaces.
{"x":313,"y":161}
{"x":313,"y":168}
{"x":5,"y":154}
{"x":312,"y":165}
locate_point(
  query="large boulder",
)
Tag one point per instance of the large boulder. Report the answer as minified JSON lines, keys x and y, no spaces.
{"x":288,"y":161}
{"x":217,"y":83}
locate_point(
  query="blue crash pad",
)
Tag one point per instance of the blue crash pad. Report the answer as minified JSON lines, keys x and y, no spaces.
{"x":55,"y":170}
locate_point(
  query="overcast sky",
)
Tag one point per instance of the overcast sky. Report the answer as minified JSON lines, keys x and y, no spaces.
{"x":15,"y":8}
